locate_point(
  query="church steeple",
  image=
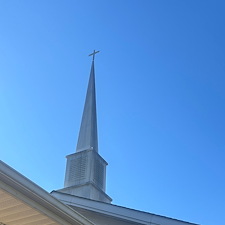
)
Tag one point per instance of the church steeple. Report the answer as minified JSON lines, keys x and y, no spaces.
{"x":86,"y":169}
{"x":88,"y":135}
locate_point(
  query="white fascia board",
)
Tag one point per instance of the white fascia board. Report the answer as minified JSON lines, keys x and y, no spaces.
{"x":16,"y":184}
{"x":117,"y":211}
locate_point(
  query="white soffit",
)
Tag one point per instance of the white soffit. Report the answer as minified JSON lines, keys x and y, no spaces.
{"x":15,"y":212}
{"x":22,"y":202}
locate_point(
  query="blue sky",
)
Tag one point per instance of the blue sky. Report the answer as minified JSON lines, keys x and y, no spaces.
{"x":160,"y":97}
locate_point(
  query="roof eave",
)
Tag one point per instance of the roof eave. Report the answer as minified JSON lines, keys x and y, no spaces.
{"x":24,"y":189}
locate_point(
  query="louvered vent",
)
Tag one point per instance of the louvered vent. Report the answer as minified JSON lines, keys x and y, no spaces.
{"x":78,"y":168}
{"x":99,"y":174}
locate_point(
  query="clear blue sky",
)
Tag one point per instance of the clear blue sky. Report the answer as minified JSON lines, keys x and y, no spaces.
{"x":160,"y":97}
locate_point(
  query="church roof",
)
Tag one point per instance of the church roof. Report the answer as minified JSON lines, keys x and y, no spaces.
{"x":104,"y":213}
{"x":24,"y":202}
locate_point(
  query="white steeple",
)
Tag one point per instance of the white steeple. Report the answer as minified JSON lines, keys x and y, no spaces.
{"x":86,"y":169}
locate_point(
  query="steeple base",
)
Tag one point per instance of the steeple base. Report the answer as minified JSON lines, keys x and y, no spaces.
{"x":86,"y":176}
{"x":89,"y":191}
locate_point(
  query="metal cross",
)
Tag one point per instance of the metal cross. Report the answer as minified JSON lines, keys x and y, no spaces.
{"x":95,"y":52}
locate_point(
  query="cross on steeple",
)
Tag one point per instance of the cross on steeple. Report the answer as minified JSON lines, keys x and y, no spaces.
{"x":93,"y":54}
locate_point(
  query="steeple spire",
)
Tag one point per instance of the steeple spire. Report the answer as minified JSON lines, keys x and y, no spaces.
{"x":88,"y":135}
